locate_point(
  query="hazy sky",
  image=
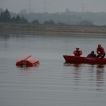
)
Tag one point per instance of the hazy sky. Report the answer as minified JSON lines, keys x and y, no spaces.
{"x":54,"y":5}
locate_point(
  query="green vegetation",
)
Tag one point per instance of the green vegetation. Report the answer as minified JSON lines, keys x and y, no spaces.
{"x":43,"y":18}
{"x":6,"y":17}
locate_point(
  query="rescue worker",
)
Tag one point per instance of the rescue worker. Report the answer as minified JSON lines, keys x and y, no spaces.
{"x":92,"y":54}
{"x":77,"y":52}
{"x":100,"y":51}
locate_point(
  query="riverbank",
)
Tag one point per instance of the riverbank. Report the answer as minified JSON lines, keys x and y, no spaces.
{"x":33,"y":29}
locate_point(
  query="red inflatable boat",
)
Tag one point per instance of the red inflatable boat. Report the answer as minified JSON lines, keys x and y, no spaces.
{"x":27,"y":61}
{"x":83,"y":60}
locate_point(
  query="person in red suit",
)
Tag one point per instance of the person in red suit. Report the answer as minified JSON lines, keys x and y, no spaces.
{"x":100,"y":51}
{"x":77,"y":52}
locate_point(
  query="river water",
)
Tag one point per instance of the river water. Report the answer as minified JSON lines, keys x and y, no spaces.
{"x":52,"y":83}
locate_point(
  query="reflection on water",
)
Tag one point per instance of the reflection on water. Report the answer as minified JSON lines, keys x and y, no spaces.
{"x":77,"y":69}
{"x":96,"y":74}
{"x":24,"y":68}
{"x":100,"y":77}
{"x":77,"y":75}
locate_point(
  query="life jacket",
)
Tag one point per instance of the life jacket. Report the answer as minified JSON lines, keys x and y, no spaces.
{"x":77,"y":53}
{"x":100,"y":50}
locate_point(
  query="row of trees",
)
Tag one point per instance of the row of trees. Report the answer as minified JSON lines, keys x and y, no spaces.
{"x":5,"y":16}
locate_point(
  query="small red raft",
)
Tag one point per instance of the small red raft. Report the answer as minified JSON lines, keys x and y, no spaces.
{"x":27,"y":61}
{"x":83,"y":60}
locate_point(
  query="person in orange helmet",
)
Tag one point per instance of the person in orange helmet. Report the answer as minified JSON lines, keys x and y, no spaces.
{"x":77,"y":52}
{"x":100,"y":51}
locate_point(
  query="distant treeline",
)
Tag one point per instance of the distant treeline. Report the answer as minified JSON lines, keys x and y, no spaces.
{"x":7,"y":17}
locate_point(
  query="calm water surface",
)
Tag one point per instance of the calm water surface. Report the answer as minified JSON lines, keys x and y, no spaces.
{"x":52,"y":83}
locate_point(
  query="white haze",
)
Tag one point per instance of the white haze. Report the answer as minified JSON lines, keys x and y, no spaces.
{"x":54,"y":5}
